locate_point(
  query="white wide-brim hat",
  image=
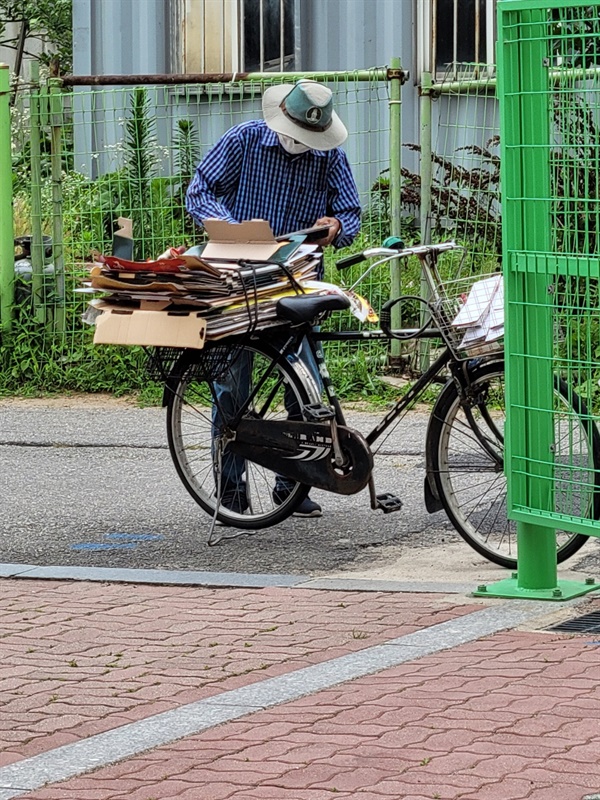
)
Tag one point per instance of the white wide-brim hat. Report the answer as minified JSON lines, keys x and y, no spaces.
{"x":304,"y":112}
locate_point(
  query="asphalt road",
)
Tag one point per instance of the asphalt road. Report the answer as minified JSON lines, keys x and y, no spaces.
{"x":87,"y":484}
{"x":90,"y":482}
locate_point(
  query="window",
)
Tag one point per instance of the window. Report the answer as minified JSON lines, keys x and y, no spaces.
{"x":235,"y":35}
{"x":454,"y":34}
{"x":268,"y":35}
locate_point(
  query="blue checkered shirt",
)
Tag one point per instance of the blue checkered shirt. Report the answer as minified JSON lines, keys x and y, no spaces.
{"x":248,"y":175}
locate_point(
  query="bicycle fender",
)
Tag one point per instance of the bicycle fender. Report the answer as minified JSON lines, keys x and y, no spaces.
{"x":303,"y":452}
{"x":430,"y":494}
{"x":432,"y":501}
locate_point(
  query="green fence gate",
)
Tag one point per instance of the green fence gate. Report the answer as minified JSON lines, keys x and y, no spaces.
{"x":549,"y":90}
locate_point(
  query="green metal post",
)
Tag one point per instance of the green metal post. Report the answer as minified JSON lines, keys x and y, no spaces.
{"x":524,"y":90}
{"x":426,"y":149}
{"x":37,"y":245}
{"x":7,"y":250}
{"x":56,"y":131}
{"x":396,"y":78}
{"x":426,"y":175}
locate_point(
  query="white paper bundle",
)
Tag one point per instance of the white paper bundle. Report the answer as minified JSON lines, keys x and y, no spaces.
{"x":482,"y":314}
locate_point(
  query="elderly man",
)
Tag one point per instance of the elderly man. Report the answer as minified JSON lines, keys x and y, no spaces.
{"x":288,"y":169}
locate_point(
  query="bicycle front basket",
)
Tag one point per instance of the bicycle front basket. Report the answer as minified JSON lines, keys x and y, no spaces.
{"x":469,"y":312}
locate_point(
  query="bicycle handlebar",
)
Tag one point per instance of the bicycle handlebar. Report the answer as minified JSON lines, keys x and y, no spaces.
{"x":387,"y":252}
{"x":350,"y":261}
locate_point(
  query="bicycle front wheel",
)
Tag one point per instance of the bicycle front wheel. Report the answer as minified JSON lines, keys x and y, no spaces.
{"x":466,"y":447}
{"x":206,"y":390}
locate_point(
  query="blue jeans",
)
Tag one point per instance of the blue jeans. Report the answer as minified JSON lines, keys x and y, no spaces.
{"x":231,"y":394}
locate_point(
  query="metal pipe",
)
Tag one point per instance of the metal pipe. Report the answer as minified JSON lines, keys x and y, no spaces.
{"x":454,"y":37}
{"x":379,"y":74}
{"x":474,"y":84}
{"x":396,"y":78}
{"x":434,"y":38}
{"x":477,"y":27}
{"x":56,"y":129}
{"x":426,"y":153}
{"x":37,"y":242}
{"x":482,"y":84}
{"x":426,"y":172}
{"x":261,"y":28}
{"x":281,"y":34}
{"x":7,"y":249}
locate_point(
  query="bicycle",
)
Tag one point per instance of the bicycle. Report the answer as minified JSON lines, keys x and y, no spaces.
{"x":291,"y":426}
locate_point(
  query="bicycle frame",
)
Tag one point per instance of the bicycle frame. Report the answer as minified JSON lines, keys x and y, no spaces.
{"x":413,"y":393}
{"x":314,"y":338}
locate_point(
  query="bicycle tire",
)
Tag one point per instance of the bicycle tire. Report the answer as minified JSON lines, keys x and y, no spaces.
{"x":190,"y":399}
{"x":469,"y":477}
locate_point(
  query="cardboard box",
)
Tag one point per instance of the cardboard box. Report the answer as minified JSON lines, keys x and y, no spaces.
{"x":150,"y":328}
{"x":231,"y":241}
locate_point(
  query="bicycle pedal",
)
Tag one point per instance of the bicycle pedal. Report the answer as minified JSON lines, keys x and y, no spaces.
{"x":388,"y":503}
{"x":315,"y":412}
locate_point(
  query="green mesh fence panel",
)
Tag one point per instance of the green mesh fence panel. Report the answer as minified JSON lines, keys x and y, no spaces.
{"x":551,"y":182}
{"x":466,"y":162}
{"x":130,"y":151}
{"x":458,"y":196}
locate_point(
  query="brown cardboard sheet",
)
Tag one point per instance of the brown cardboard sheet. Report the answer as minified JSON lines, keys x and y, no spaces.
{"x":150,"y":328}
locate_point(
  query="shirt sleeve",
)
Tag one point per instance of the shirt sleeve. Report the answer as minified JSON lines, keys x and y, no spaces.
{"x":216,"y":176}
{"x":343,"y":202}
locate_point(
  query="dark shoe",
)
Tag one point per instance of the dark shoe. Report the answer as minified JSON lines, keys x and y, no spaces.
{"x":235,"y":501}
{"x":307,"y":508}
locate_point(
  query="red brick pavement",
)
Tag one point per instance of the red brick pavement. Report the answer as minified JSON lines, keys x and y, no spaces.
{"x":82,"y":658}
{"x":511,"y":716}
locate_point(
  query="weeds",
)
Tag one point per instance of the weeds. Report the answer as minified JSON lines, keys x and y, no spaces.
{"x":464,"y":202}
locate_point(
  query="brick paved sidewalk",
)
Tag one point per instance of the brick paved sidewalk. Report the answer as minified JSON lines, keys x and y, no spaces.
{"x":512,"y":715}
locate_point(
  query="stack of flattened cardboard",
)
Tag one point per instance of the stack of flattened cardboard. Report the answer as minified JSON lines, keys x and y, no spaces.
{"x":227,"y":286}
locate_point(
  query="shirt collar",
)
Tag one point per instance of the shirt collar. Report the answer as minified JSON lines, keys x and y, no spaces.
{"x":270,"y":139}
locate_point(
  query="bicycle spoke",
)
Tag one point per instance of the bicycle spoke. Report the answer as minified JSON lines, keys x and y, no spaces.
{"x":473,"y":487}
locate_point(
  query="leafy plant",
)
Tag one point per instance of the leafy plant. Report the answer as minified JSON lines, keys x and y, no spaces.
{"x":187,"y":148}
{"x":575,"y":175}
{"x":464,"y":202}
{"x":575,"y":34}
{"x":46,"y":20}
{"x":140,"y":167}
{"x":187,"y":156}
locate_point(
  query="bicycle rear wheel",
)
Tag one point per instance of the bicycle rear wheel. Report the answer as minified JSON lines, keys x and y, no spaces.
{"x":465,"y":449}
{"x":199,"y":417}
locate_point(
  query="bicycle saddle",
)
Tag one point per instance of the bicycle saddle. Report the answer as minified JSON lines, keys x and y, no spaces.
{"x":305,"y":307}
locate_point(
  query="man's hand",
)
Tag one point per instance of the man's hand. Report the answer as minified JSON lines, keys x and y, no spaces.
{"x":334,"y":228}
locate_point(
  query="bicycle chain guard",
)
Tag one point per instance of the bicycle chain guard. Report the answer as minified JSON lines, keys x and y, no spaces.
{"x":303,"y":452}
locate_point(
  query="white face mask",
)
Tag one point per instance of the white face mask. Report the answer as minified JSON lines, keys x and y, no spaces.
{"x":291,"y":145}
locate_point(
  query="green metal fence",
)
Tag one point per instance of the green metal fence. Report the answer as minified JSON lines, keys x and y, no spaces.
{"x":550,"y":101}
{"x":6,"y":223}
{"x":85,"y":154}
{"x":459,"y":175}
{"x":93,"y":153}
